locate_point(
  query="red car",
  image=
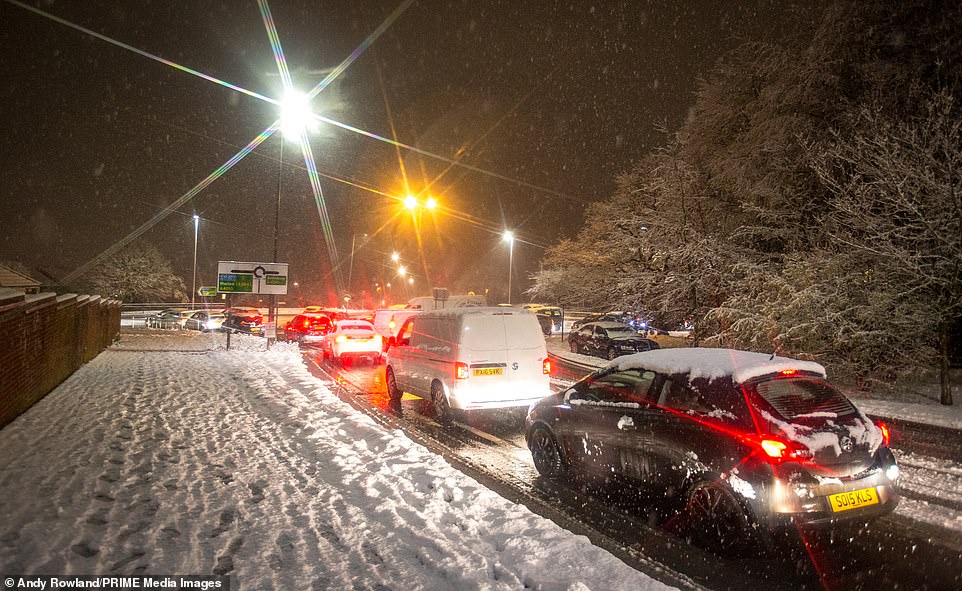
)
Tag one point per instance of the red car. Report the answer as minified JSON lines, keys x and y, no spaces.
{"x":308,"y":328}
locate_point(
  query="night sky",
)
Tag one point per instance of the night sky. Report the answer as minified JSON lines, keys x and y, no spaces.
{"x":559,"y":95}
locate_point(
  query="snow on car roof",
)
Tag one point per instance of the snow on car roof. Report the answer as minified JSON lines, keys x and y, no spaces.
{"x":609,"y":324}
{"x":714,"y":363}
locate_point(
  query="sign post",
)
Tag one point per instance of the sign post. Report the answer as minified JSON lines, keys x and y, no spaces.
{"x":254,"y":278}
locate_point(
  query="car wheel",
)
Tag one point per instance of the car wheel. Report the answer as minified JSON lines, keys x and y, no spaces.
{"x":715,"y":519}
{"x":393,"y":392}
{"x":611,"y":353}
{"x":574,"y":346}
{"x":439,"y":404}
{"x":546,"y":453}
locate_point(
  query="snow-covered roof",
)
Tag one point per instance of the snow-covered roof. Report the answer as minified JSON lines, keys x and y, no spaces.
{"x":608,"y":324}
{"x":714,"y":363}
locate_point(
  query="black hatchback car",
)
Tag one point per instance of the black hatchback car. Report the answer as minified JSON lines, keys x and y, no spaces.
{"x":247,"y":320}
{"x":608,"y":339}
{"x":746,"y":443}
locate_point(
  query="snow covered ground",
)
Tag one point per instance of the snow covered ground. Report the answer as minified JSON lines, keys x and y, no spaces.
{"x":169,"y":455}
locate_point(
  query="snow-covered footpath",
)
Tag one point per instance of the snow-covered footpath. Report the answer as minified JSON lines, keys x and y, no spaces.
{"x":240,"y":462}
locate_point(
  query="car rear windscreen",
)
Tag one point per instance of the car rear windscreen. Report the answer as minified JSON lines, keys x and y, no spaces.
{"x":796,"y":397}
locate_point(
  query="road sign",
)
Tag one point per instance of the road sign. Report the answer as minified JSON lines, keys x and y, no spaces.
{"x":207,"y":292}
{"x":249,"y":277}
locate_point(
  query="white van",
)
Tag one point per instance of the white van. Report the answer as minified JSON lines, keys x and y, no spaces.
{"x":454,"y":301}
{"x":470,"y":358}
{"x":388,"y":323}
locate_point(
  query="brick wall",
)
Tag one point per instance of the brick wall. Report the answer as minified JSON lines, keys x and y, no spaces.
{"x":44,"y":338}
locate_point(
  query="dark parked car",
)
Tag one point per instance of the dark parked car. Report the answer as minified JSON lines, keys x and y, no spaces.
{"x":247,"y":320}
{"x":747,"y":443}
{"x":205,"y":320}
{"x":308,"y":328}
{"x":608,"y":339}
{"x":168,"y":318}
{"x":622,"y":317}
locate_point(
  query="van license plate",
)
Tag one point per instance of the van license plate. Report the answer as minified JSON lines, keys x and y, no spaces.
{"x":487,"y":371}
{"x":853,"y":500}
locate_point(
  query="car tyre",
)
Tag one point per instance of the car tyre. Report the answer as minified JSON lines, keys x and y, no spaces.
{"x":393,"y":392}
{"x":611,"y":353}
{"x":546,"y":454}
{"x":440,"y":407}
{"x":574,"y":346}
{"x":716,"y":520}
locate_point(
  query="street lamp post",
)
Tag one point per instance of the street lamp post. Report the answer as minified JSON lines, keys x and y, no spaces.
{"x":508,"y":237}
{"x":193,"y":285}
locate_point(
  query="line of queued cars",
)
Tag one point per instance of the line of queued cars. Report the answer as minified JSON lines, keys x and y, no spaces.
{"x":741,"y":448}
{"x":339,"y":334}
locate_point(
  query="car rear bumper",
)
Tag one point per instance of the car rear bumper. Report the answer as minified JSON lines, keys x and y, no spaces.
{"x":482,"y":394}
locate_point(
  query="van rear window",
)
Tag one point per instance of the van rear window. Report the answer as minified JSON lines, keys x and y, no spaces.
{"x":483,"y":332}
{"x":796,"y":397}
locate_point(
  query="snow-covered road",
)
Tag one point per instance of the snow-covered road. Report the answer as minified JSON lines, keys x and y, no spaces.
{"x":241,"y":463}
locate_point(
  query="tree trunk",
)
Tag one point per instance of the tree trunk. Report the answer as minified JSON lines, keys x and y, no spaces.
{"x":946,"y":388}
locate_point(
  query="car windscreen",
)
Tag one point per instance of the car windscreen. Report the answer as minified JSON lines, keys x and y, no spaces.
{"x":796,"y":397}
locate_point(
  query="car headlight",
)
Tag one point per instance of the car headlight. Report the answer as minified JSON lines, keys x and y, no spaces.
{"x":892,"y":472}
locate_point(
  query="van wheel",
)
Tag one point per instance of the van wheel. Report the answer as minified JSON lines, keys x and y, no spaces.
{"x":393,"y":393}
{"x":439,"y":404}
{"x":574,"y":346}
{"x":546,"y":454}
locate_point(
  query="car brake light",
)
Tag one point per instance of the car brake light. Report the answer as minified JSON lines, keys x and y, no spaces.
{"x":789,"y":372}
{"x":782,"y":451}
{"x":340,"y":338}
{"x":546,"y":367}
{"x":886,"y":435}
{"x":460,"y":370}
{"x":307,"y":323}
{"x":391,"y":324}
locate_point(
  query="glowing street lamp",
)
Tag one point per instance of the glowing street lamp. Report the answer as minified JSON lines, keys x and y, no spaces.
{"x":295,"y":117}
{"x":411,"y":202}
{"x":402,"y":271}
{"x":508,"y":237}
{"x":395,"y":257}
{"x":431,"y":203}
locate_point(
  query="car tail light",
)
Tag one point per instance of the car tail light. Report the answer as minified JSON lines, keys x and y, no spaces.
{"x":886,"y":435}
{"x":546,"y":367}
{"x":307,"y":323}
{"x":783,"y":451}
{"x":460,"y":370}
{"x":789,"y":372}
{"x":391,"y":324}
{"x":340,"y":338}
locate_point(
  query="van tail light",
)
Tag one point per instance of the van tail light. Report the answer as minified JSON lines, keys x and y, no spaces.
{"x":340,"y":339}
{"x":886,"y":435}
{"x":778,"y":451}
{"x":546,"y":367}
{"x":460,"y":370}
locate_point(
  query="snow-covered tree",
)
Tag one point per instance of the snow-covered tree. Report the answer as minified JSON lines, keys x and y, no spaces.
{"x":897,"y":200}
{"x":138,"y":273}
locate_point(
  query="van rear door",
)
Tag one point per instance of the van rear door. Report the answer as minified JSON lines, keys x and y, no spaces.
{"x":483,"y":346}
{"x":525,"y":348}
